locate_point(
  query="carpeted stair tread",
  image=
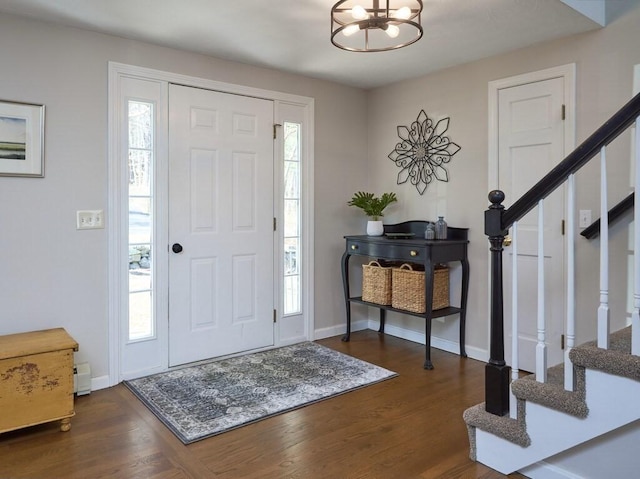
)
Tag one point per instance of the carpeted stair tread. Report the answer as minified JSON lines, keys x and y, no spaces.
{"x":616,"y":360}
{"x":512,"y":430}
{"x":612,"y":362}
{"x":552,"y":394}
{"x":618,"y":341}
{"x":555,"y":375}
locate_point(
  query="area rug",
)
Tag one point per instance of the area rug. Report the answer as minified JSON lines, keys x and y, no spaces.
{"x":204,"y":400}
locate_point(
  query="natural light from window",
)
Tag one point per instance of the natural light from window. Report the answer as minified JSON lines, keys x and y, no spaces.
{"x":141,"y":154}
{"x":292,"y":253}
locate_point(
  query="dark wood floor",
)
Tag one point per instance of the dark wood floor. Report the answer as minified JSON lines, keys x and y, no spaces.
{"x":407,"y":427}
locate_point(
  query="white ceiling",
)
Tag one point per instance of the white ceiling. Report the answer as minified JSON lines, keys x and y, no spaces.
{"x":293,"y":35}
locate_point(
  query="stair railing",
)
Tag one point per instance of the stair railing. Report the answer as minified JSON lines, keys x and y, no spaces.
{"x":619,"y":210}
{"x":499,"y":220}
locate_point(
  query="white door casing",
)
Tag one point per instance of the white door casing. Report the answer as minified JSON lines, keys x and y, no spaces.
{"x":221,"y":213}
{"x":528,"y":136}
{"x":127,"y":359}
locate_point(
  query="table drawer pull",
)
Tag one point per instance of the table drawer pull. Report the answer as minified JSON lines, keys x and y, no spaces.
{"x":354,"y":247}
{"x":413,"y":253}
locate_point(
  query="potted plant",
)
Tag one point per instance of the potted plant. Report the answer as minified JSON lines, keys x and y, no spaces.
{"x":373,"y":208}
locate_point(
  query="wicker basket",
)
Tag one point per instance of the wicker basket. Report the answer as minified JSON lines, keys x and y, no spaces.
{"x":376,"y":283}
{"x":408,"y":289}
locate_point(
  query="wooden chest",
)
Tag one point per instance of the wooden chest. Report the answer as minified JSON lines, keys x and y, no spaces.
{"x":36,"y":379}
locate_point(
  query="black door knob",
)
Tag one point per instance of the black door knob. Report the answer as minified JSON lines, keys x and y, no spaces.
{"x":176,"y":248}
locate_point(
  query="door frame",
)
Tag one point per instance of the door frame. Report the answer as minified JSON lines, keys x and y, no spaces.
{"x":568,"y":73}
{"x":117,"y":217}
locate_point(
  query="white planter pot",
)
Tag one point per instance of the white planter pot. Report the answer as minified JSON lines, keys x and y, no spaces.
{"x":375,"y":228}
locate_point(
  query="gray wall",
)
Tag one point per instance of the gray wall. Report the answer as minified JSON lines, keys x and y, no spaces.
{"x":604,"y":63}
{"x":53,"y":275}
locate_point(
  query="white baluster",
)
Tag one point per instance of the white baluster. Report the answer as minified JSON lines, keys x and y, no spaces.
{"x":603,"y":309}
{"x":635,"y":315}
{"x":541,"y":347}
{"x":513,"y":403}
{"x":571,"y":283}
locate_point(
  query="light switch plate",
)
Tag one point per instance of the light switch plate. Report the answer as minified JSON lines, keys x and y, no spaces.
{"x":585,"y":218}
{"x":89,"y":219}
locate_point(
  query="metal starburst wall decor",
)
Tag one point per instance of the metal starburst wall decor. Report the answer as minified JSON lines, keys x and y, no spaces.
{"x":423,"y":152}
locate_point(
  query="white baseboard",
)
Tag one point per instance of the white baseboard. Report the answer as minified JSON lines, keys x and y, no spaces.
{"x":403,"y":333}
{"x":101,"y":382}
{"x":339,"y":330}
{"x":438,"y":343}
{"x":543,"y":470}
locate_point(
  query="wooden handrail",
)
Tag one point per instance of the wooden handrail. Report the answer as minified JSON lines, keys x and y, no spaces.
{"x":604,"y":135}
{"x":593,"y":230}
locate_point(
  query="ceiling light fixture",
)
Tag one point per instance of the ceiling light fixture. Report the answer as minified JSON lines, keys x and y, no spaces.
{"x":375,"y":25}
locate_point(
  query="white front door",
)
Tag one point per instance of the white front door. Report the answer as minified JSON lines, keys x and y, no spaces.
{"x":530,"y":144}
{"x":221,"y":239}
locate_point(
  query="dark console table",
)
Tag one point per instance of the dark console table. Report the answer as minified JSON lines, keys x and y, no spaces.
{"x":416,"y":250}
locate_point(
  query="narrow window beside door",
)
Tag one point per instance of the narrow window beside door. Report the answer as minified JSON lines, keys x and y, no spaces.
{"x":292,"y":253}
{"x":141,"y":154}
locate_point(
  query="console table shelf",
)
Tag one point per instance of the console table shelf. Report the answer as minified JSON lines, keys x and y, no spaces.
{"x":437,"y":313}
{"x":415,"y":249}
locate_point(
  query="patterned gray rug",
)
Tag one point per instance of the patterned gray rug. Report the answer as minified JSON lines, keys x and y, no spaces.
{"x":201,"y":401}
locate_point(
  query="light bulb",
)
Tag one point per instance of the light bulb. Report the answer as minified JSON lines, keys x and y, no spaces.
{"x":359,"y":13}
{"x":350,"y":30}
{"x":404,"y":13}
{"x":392,"y":31}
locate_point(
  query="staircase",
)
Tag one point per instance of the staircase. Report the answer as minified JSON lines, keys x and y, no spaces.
{"x":551,"y":419}
{"x":526,"y":420}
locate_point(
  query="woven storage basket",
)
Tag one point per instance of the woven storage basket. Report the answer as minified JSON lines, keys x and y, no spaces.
{"x":408,"y":289}
{"x":376,"y":283}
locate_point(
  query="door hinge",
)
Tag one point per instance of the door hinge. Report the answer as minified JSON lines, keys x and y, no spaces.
{"x":562,"y":342}
{"x":275,"y":315}
{"x":274,"y":224}
{"x":562,"y":227}
{"x":564,"y":112}
{"x":275,"y":126}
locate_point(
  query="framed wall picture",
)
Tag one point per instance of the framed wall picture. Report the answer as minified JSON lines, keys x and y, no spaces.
{"x":21,"y":139}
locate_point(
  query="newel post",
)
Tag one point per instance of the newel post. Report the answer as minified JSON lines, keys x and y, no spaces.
{"x":497,"y":373}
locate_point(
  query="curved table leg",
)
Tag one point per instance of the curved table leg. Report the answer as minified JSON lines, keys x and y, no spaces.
{"x":383,"y":316}
{"x":463,"y":304}
{"x":427,"y":361}
{"x":345,"y":285}
{"x":428,"y":294}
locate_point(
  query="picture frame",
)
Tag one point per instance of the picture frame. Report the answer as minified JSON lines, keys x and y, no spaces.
{"x":21,"y":139}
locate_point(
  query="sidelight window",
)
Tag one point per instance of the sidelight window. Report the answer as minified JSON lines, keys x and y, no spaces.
{"x":292,"y":226}
{"x":140,"y":243}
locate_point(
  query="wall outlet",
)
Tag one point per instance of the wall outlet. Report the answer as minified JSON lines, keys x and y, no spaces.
{"x":89,"y":219}
{"x":585,"y":218}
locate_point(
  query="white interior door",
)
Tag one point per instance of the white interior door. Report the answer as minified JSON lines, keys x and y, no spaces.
{"x":221,"y":265}
{"x":530,"y":144}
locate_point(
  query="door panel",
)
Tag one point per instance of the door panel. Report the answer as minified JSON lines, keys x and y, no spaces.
{"x":531,"y":143}
{"x":221,"y":208}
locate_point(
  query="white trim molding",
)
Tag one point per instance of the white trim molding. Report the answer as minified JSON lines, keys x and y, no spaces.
{"x":117,"y":213}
